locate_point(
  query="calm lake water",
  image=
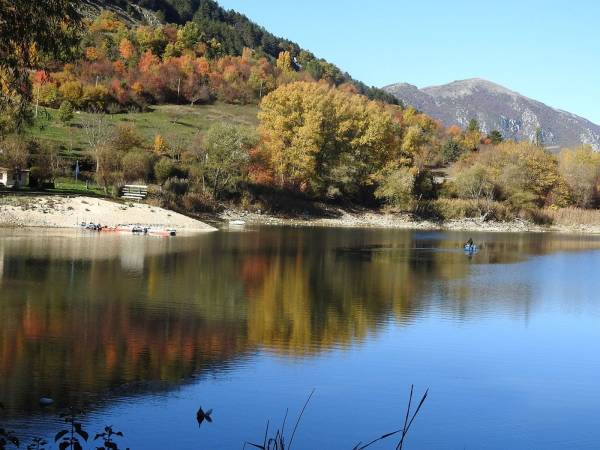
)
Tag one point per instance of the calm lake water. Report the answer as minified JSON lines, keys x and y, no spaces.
{"x":141,"y":331}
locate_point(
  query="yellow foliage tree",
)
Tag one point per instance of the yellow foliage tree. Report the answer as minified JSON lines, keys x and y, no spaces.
{"x":581,"y":169}
{"x":284,"y":62}
{"x":319,"y":139}
{"x":159,"y":147}
{"x":525,"y":175}
{"x":72,"y":91}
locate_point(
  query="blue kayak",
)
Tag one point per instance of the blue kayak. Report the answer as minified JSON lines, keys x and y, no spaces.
{"x":470,"y":249}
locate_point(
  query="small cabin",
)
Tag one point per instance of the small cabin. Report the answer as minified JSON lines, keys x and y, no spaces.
{"x":13,"y":177}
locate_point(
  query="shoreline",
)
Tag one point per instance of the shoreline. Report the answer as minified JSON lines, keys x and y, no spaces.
{"x":68,"y":212}
{"x":58,"y":212}
{"x":383,"y":220}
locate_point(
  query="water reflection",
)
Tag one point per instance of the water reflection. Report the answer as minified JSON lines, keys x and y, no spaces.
{"x":83,"y":315}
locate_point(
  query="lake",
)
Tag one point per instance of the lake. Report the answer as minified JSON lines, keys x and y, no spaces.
{"x":141,"y":331}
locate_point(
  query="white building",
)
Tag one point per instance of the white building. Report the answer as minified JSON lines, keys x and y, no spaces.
{"x":13,"y":177}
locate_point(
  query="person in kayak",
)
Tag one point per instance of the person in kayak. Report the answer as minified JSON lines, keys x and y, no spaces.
{"x":469,"y":245}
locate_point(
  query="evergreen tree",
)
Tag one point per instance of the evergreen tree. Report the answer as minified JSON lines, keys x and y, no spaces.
{"x":496,"y":137}
{"x":539,"y":137}
{"x":451,"y":151}
{"x":473,"y":126}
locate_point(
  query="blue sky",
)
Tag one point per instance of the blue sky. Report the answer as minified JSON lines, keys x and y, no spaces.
{"x":548,"y":50}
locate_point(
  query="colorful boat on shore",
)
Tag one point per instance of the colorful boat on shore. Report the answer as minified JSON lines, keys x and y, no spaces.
{"x":132,"y":229}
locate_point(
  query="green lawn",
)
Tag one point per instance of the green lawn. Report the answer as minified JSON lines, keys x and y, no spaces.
{"x":70,"y":186}
{"x":170,"y":121}
{"x":62,"y":186}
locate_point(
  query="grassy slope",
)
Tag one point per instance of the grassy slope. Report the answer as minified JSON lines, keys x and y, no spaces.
{"x":170,"y":121}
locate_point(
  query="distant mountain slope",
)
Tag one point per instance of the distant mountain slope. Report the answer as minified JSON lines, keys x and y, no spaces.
{"x":496,"y":107}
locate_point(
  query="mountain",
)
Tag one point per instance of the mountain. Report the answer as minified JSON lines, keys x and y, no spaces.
{"x":498,"y":108}
{"x":233,"y":31}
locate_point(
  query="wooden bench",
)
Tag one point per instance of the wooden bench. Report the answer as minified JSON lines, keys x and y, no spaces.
{"x":134,"y":192}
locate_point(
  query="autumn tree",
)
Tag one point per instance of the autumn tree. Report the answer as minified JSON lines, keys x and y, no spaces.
{"x":284,"y":62}
{"x":189,"y":35}
{"x":126,"y":49}
{"x":226,"y":157}
{"x":581,"y":169}
{"x":524,"y":175}
{"x":15,"y":153}
{"x":28,"y":29}
{"x":321,"y":140}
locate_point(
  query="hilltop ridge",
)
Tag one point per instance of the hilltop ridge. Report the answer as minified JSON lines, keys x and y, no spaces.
{"x":499,"y":108}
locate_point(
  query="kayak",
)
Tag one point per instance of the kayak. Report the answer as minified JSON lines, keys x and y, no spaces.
{"x":470,"y":249}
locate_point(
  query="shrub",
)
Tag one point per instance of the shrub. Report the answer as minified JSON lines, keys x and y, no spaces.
{"x":397,"y":188}
{"x":573,"y":216}
{"x":198,"y":202}
{"x":535,"y":215}
{"x":163,"y":170}
{"x":95,"y":97}
{"x":65,"y":112}
{"x":177,"y":186}
{"x":474,"y":183}
{"x":137,"y":165}
{"x":456,"y":209}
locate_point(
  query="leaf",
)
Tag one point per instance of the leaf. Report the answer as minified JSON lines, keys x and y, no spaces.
{"x":118,"y":433}
{"x":60,"y":434}
{"x":98,"y":436}
{"x":83,"y":434}
{"x":64,"y":445}
{"x":77,"y":446}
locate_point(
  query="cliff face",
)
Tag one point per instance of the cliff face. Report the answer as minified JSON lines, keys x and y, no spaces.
{"x":129,"y":12}
{"x":498,"y":108}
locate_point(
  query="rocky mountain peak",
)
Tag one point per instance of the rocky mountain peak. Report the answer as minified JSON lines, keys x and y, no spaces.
{"x":496,"y":107}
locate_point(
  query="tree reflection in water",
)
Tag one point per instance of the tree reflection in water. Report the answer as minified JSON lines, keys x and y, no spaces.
{"x":81,"y":316}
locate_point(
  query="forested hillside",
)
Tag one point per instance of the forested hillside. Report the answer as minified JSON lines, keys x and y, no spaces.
{"x":235,"y":32}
